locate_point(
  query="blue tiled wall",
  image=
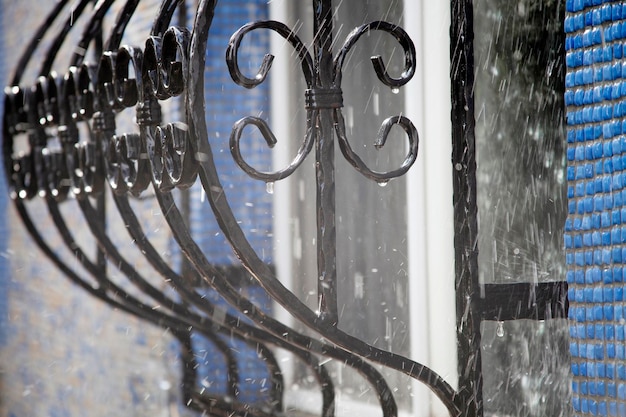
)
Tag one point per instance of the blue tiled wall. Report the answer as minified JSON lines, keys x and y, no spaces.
{"x":226,"y":102}
{"x":595,"y":236}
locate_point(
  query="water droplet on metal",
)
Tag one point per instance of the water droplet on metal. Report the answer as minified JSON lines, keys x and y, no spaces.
{"x":395,"y":90}
{"x":383,"y":183}
{"x":500,"y":329}
{"x":269,"y":187}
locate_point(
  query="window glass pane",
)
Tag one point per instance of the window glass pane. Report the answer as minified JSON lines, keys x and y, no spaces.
{"x":519,"y":72}
{"x":519,"y":79}
{"x":372,"y":259}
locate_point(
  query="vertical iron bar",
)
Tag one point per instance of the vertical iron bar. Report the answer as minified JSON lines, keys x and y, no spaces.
{"x":101,"y":198}
{"x":465,"y":208}
{"x":325,"y":167}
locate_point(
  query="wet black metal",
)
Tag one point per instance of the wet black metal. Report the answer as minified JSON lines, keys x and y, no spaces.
{"x":172,"y":156}
{"x":465,"y":208}
{"x":540,"y":301}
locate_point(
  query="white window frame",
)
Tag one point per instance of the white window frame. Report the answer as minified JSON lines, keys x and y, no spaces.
{"x":430,"y":208}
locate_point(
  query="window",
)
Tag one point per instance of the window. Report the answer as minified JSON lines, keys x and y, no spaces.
{"x":520,"y":138}
{"x":404,"y":311}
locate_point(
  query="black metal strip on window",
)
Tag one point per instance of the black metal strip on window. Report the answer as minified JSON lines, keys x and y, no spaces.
{"x":540,"y":301}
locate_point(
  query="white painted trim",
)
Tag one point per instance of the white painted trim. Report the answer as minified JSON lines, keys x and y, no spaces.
{"x":416,"y":218}
{"x":280,"y":91}
{"x":428,"y":101}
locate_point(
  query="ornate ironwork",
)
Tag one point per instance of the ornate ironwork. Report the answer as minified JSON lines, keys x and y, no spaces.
{"x":175,"y":155}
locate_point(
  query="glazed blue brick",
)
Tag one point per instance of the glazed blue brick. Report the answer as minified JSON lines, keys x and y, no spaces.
{"x":607,"y":278}
{"x":608,"y":296}
{"x":593,"y":258}
{"x":587,"y":239}
{"x":597,"y":150}
{"x":570,"y":80}
{"x":578,"y":190}
{"x":569,"y":258}
{"x":616,"y":219}
{"x":616,"y":235}
{"x":597,"y":313}
{"x":598,"y":204}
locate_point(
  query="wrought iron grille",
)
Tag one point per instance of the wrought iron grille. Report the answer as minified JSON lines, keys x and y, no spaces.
{"x":78,"y":110}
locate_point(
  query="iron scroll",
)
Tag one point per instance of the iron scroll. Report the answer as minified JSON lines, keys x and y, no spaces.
{"x":172,"y":156}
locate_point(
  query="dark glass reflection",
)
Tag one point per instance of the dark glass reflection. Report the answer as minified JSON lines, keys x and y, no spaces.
{"x":519,"y":75}
{"x":519,"y":69}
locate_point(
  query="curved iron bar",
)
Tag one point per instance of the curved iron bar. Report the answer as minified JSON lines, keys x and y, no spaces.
{"x":233,"y":324}
{"x":129,"y":304}
{"x":232,"y":231}
{"x":232,"y":61}
{"x":212,"y":276}
{"x":215,"y":279}
{"x":109,"y":248}
{"x":325,"y":383}
{"x":323,"y":100}
{"x":271,"y":141}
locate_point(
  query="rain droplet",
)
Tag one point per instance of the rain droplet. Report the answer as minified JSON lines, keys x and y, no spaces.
{"x":395,"y":90}
{"x":500,"y":329}
{"x":458,"y":166}
{"x":269,"y":187}
{"x":383,"y":183}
